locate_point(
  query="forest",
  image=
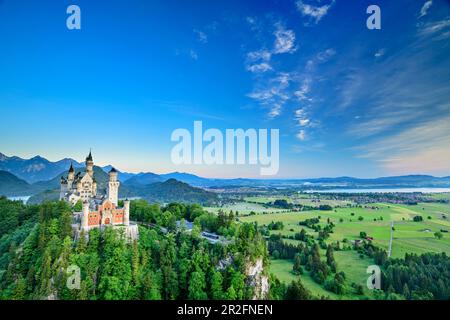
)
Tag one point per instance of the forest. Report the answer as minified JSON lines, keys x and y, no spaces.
{"x":37,"y":248}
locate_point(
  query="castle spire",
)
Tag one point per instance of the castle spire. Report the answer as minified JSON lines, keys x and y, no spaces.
{"x":89,"y":157}
{"x":71,"y":169}
{"x":90,"y":164}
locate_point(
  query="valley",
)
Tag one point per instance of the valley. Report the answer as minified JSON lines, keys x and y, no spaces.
{"x":411,"y":235}
{"x":318,"y":238}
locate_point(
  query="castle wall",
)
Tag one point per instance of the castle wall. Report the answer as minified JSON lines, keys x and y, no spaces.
{"x":106,"y":214}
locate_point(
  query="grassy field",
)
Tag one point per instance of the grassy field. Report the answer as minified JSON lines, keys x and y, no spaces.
{"x":283,"y":270}
{"x":306,"y":200}
{"x":244,"y":208}
{"x":441,"y":196}
{"x":409,"y":236}
{"x":348,"y":262}
{"x":374,"y":219}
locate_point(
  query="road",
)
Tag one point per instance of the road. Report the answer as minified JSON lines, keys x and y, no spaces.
{"x":210,"y":237}
{"x":390,"y":240}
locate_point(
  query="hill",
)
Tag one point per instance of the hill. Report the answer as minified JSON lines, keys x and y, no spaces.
{"x":144,"y":179}
{"x":175,"y":191}
{"x":10,"y":185}
{"x":186,"y":178}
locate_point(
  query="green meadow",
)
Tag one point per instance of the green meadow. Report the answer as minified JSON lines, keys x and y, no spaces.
{"x":409,"y":236}
{"x":348,"y":261}
{"x":244,"y":208}
{"x":301,"y":198}
{"x":375,"y":219}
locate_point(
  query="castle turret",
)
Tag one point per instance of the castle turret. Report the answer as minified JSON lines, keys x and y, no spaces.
{"x":70,"y":176}
{"x":126,"y":214}
{"x":85,"y":215}
{"x":63,"y":189}
{"x":90,"y":165}
{"x":113,"y":187}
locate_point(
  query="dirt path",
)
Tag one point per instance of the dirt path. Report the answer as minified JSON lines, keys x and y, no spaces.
{"x":390,"y":240}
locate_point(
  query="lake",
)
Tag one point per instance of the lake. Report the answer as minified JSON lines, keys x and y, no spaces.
{"x":24,"y":199}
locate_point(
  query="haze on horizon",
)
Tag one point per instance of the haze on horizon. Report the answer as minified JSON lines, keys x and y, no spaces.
{"x":348,"y":101}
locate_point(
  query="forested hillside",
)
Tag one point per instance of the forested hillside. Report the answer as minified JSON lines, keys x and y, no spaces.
{"x":37,"y":249}
{"x":10,"y":185}
{"x":174,"y":265}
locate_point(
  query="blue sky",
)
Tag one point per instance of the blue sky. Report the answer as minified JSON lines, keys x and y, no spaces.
{"x":347,"y":100}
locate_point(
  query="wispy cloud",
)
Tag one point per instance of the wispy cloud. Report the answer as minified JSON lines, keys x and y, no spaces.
{"x":321,"y":57}
{"x":259,"y":67}
{"x":316,"y":13}
{"x":403,"y":103}
{"x":425,"y":7}
{"x":271,"y":90}
{"x":304,"y":89}
{"x":423,"y":148}
{"x":303,"y":116}
{"x":258,"y":61}
{"x":193,"y":54}
{"x":304,"y":123}
{"x":273,"y":93}
{"x":380,"y":53}
{"x":201,"y":36}
{"x":434,"y":28}
{"x":284,"y":40}
{"x":263,"y":55}
{"x":301,"y":135}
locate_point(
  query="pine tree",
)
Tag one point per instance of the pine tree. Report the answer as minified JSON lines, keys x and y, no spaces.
{"x":197,"y":286}
{"x":297,"y":267}
{"x":45,"y":276}
{"x":406,"y":292}
{"x":330,"y":256}
{"x":231,"y":293}
{"x":20,"y":289}
{"x":216,"y":285}
{"x":296,"y":291}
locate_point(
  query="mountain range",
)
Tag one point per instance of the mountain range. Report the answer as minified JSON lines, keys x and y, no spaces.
{"x":36,"y":168}
{"x":41,"y":174}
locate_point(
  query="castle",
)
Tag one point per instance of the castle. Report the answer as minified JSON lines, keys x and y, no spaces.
{"x":99,"y":209}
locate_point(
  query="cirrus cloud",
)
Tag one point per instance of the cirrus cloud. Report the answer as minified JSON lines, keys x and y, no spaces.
{"x":316,"y":13}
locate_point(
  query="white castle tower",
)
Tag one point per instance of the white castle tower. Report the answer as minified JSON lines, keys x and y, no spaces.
{"x":90,"y":165}
{"x":70,"y":177}
{"x":113,"y":187}
{"x":126,"y":215}
{"x":85,"y":216}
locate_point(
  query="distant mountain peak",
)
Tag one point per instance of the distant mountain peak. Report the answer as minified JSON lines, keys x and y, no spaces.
{"x":39,"y":158}
{"x":3,"y":157}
